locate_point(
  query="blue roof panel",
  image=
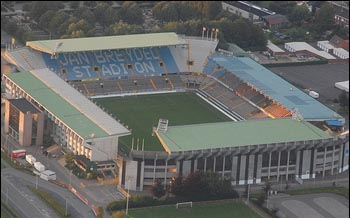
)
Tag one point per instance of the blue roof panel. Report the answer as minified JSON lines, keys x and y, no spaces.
{"x":276,"y":87}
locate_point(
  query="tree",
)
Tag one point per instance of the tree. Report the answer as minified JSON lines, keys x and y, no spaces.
{"x":122,"y":28}
{"x":324,"y":19}
{"x":11,"y":27}
{"x":40,"y":7}
{"x":68,"y":157}
{"x":131,"y":13}
{"x":344,"y":99}
{"x":27,"y":7}
{"x":74,"y":4}
{"x":281,"y":7}
{"x":86,"y":14}
{"x":158,"y":189}
{"x":45,"y":19}
{"x":118,"y":214}
{"x":90,"y":4}
{"x":299,"y":15}
{"x":207,"y":9}
{"x":100,"y":14}
{"x":59,"y":18}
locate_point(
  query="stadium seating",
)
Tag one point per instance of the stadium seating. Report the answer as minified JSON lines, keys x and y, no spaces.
{"x":112,"y":63}
{"x":130,"y":85}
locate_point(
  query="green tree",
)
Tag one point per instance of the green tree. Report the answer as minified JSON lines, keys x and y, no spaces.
{"x":344,"y":99}
{"x":281,"y":7}
{"x":40,"y":7}
{"x":11,"y":27}
{"x":27,"y":7}
{"x":45,"y":19}
{"x":297,"y":33}
{"x":131,"y":13}
{"x":118,"y":214}
{"x":299,"y":15}
{"x":68,"y":157}
{"x":74,"y":4}
{"x":90,"y":4}
{"x":59,"y":18}
{"x":207,"y":9}
{"x":79,"y":29}
{"x":122,"y":28}
{"x":86,"y":14}
{"x":324,"y":19}
{"x":158,"y":189}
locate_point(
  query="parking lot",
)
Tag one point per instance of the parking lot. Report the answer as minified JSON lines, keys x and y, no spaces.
{"x":319,"y":78}
{"x":325,"y":205}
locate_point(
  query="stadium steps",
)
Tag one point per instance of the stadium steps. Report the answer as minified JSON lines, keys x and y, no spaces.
{"x":153,"y":85}
{"x":171,"y":83}
{"x":86,"y":89}
{"x":220,"y":105}
{"x":119,"y":86}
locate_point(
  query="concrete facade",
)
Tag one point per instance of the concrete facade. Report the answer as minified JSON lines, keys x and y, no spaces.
{"x":285,"y":161}
{"x":24,"y":131}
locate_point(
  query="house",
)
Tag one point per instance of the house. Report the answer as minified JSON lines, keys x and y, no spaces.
{"x":275,"y":21}
{"x":341,"y":15}
{"x":246,"y":10}
{"x":338,"y":42}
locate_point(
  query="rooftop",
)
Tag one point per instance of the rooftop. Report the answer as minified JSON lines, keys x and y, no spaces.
{"x":23,"y":105}
{"x":275,"y":19}
{"x":300,"y":46}
{"x":234,"y":134}
{"x":106,"y":43}
{"x":56,"y":104}
{"x":276,"y":88}
{"x":273,"y":47}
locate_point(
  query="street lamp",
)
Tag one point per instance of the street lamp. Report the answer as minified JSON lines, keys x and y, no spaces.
{"x":36,"y":182}
{"x":70,"y":178}
{"x":248,"y":194}
{"x":127,"y":199}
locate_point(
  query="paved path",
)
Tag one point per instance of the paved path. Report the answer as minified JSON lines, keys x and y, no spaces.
{"x":324,"y":205}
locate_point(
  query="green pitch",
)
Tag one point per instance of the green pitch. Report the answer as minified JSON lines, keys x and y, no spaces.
{"x":141,"y":113}
{"x":222,"y":209}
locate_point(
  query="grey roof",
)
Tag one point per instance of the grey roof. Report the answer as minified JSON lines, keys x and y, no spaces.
{"x":23,"y":105}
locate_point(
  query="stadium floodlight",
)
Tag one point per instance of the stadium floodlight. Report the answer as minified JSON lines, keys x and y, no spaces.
{"x":58,"y":45}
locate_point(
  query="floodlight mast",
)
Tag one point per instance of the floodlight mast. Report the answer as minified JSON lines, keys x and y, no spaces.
{"x":58,"y":45}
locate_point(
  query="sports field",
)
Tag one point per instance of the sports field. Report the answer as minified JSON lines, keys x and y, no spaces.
{"x":141,"y":113}
{"x":222,"y":209}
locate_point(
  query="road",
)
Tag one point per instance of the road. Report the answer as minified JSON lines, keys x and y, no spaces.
{"x":29,"y":204}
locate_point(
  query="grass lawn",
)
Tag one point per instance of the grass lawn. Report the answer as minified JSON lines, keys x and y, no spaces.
{"x":4,"y":214}
{"x":336,"y":190}
{"x":141,"y":113}
{"x":222,"y":209}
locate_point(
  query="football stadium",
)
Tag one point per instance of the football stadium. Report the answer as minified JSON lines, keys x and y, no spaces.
{"x":154,"y":106}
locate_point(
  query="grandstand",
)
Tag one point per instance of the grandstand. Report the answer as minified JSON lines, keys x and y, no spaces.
{"x":252,"y":149}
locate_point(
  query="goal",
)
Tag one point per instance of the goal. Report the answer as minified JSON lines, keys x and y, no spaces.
{"x":183,"y":204}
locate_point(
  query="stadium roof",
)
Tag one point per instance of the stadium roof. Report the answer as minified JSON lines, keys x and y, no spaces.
{"x":106,"y":42}
{"x":276,"y":88}
{"x":234,"y":134}
{"x":64,"y":106}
